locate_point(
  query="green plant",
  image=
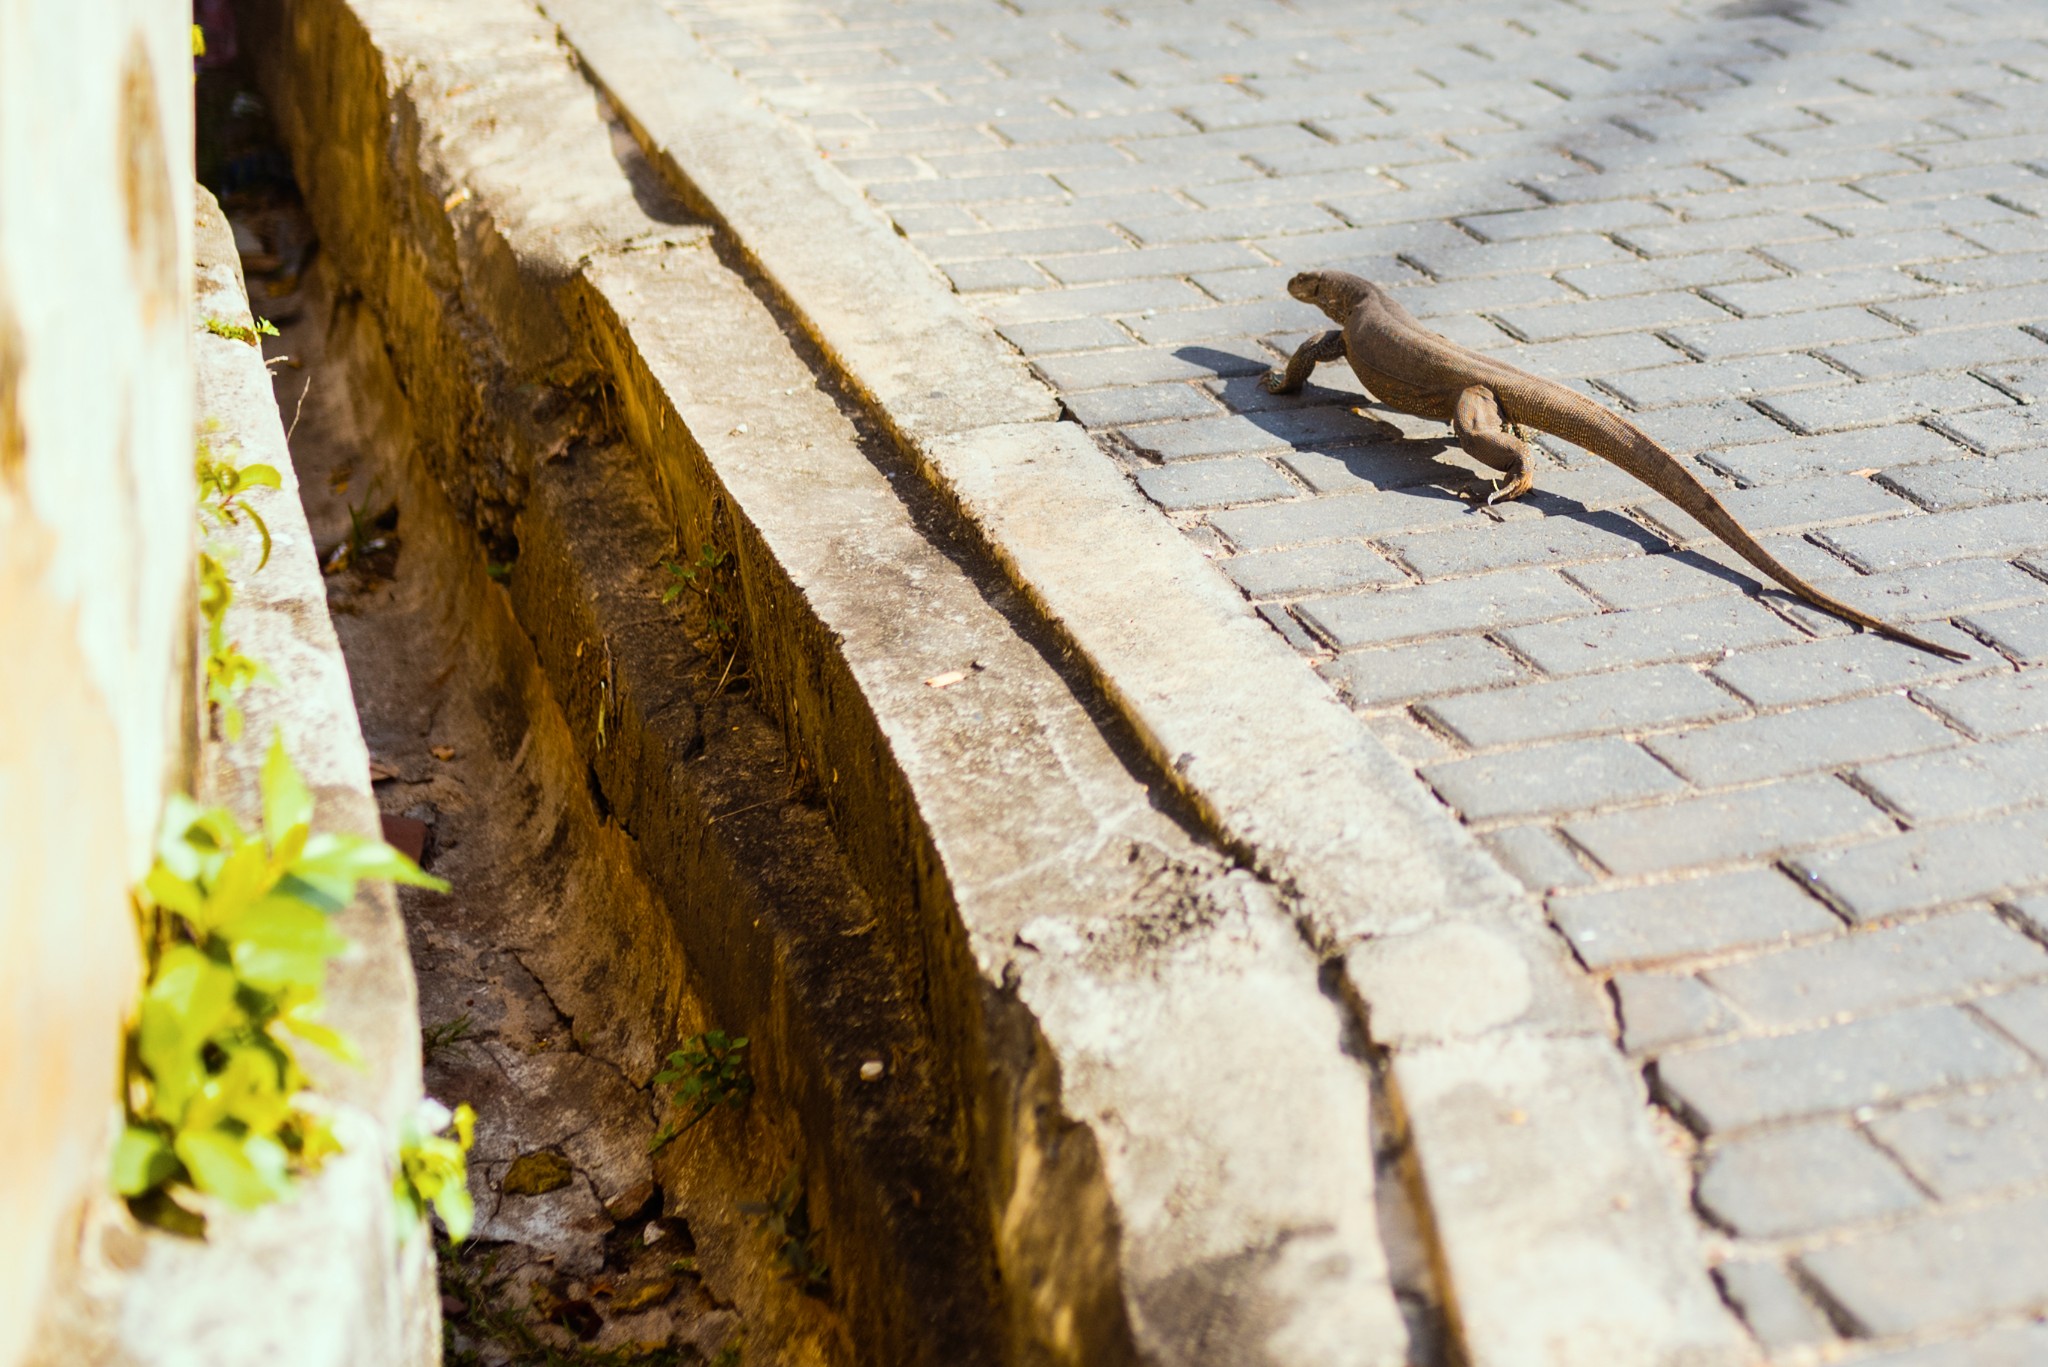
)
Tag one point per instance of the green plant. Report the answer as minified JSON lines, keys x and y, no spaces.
{"x":714,"y":579}
{"x":236,"y":936}
{"x":236,"y":332}
{"x":479,"y":1326}
{"x":228,"y":670}
{"x":222,"y":482}
{"x":786,"y":1216}
{"x":433,"y":1166}
{"x":437,"y":1039}
{"x":712,"y":1068}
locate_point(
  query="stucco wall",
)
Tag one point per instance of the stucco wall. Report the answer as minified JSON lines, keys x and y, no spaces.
{"x":95,"y":568}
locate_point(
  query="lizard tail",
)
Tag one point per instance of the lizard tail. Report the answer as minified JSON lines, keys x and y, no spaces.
{"x":1621,"y":442}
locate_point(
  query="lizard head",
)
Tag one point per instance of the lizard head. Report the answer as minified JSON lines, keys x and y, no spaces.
{"x":1336,"y":293}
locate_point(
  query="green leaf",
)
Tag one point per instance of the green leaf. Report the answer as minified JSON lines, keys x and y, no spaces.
{"x":191,"y":998}
{"x":245,"y":1171}
{"x":279,"y":943}
{"x":142,"y":1159}
{"x":287,"y":802}
{"x":262,"y":530}
{"x":325,"y":1038}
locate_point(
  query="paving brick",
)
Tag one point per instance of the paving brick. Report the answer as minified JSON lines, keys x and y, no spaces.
{"x":1377,"y":677}
{"x":1625,"y":276}
{"x":975,"y":277}
{"x":1475,"y":604}
{"x":1580,"y":357}
{"x":1281,"y":620}
{"x":1515,"y":225}
{"x":1772,"y":1304}
{"x":1092,"y":303}
{"x":1781,"y":332}
{"x":1830,"y":453}
{"x":1998,"y":430}
{"x":1032,"y":242}
{"x":1880,"y":969}
{"x":1803,"y":1179}
{"x":1998,"y":705}
{"x":1883,"y":401}
{"x":2022,"y":1014}
{"x":2021,"y":632}
{"x":1139,"y":404}
{"x":1966,"y":483}
{"x":1386,"y":465}
{"x":1641,"y":636}
{"x":1462,"y":258}
{"x":1701,"y":381}
{"x":1970,"y":349}
{"x":1310,"y":569}
{"x":1153,"y":365}
{"x":1440,"y":299}
{"x":1894,"y":218}
{"x":1253,"y":318}
{"x":1824,"y":255}
{"x":1813,"y":292}
{"x":1571,"y":776}
{"x":1978,"y":308}
{"x":966,"y":190}
{"x":1138,"y":263}
{"x":1555,"y":709}
{"x":1636,"y":313}
{"x":1990,"y":272}
{"x":1667,"y":921}
{"x":1656,"y":580}
{"x":1235,"y":433}
{"x":1343,"y":515}
{"x":1723,"y":1088}
{"x":1660,"y":1009}
{"x":1071,"y":334}
{"x":1951,"y":1268}
{"x":1225,"y":225}
{"x":1963,"y":782}
{"x":1964,"y":1145}
{"x":2000,"y":529}
{"x":1720,"y":828}
{"x":1841,"y":667}
{"x":1677,"y":239}
{"x":1537,"y":856}
{"x":1932,"y":867}
{"x":1532,"y":541}
{"x":1788,"y":743}
{"x":1212,"y":483}
{"x":1722,"y":422}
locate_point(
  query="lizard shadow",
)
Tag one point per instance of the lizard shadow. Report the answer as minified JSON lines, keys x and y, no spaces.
{"x":1340,"y":440}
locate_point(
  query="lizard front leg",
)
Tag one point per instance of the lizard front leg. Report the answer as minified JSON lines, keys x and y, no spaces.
{"x":1485,"y":438}
{"x":1324,"y":346}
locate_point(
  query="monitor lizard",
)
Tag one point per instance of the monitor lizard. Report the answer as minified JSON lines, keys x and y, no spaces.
{"x":1415,"y":371}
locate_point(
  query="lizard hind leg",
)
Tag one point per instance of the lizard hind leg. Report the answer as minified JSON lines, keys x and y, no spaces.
{"x":1485,"y":438}
{"x":1324,"y":346}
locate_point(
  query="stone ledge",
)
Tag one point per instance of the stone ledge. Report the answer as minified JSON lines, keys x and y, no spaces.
{"x":333,"y":1278}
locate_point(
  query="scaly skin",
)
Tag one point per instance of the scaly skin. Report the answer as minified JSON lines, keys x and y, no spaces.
{"x":1413,"y":370}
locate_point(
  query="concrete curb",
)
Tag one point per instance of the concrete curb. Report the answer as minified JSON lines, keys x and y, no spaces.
{"x":340,"y":1283}
{"x":1064,"y":936}
{"x":1283,"y":774}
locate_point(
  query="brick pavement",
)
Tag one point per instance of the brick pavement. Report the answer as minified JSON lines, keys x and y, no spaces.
{"x":1801,"y":241}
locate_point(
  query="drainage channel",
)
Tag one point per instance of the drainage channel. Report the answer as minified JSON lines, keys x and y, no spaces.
{"x":614,"y":1224}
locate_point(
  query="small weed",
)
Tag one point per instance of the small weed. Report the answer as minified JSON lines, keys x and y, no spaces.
{"x":368,"y":542}
{"x":221,"y":483}
{"x":235,"y":332}
{"x":439,"y":1039}
{"x":787,"y":1217}
{"x":712,"y":1068}
{"x":713,"y":579}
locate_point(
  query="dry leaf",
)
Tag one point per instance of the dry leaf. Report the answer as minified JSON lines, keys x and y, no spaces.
{"x":1866,"y":474}
{"x":443,"y":752}
{"x":953,"y":676}
{"x":380,"y":771}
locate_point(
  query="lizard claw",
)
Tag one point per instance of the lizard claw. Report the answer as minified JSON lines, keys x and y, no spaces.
{"x":1272,"y":381}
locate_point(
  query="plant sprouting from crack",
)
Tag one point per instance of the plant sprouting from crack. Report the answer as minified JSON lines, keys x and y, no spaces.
{"x":238,"y":332}
{"x":714,"y":580}
{"x":237,"y":932}
{"x":440,"y":1038}
{"x":712,"y":1071}
{"x":786,"y":1216}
